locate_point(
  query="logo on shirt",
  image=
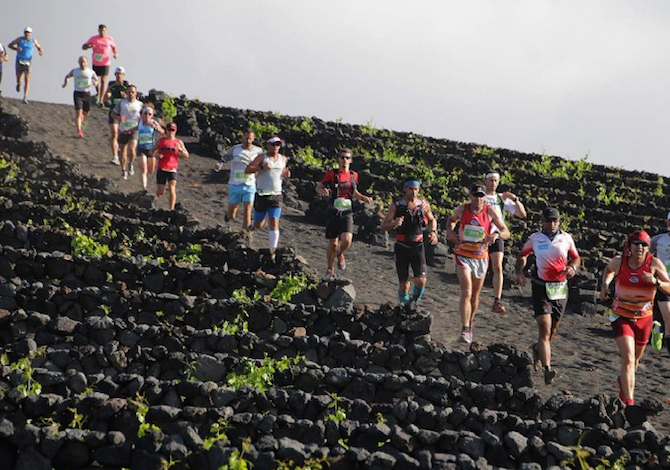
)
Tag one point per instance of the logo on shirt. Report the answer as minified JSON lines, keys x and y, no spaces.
{"x":474,"y":222}
{"x":543,"y":246}
{"x":634,"y":279}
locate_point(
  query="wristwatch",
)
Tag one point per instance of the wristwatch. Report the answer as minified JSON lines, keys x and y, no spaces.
{"x":658,"y":282}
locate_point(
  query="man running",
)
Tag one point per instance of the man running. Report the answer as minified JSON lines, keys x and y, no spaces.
{"x":116,"y":91}
{"x":556,"y":261}
{"x":471,"y":253}
{"x":3,"y":58}
{"x":271,"y":168}
{"x":660,"y":247}
{"x":341,"y":186}
{"x":638,"y":277}
{"x":127,"y":112}
{"x":501,"y":203}
{"x":410,"y":217}
{"x":84,"y":80}
{"x":25,"y":47}
{"x":101,"y":45}
{"x":241,"y":185}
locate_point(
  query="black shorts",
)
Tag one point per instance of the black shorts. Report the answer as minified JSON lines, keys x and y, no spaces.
{"x":82,"y":100}
{"x":146,"y":152}
{"x":497,"y":246}
{"x":339,"y":222}
{"x":661,"y":297}
{"x":163,"y":176}
{"x":270,"y":201}
{"x":125,"y":137}
{"x":22,"y":66}
{"x":542,"y":305}
{"x":413,"y":255}
{"x":110,"y":118}
{"x":101,"y":70}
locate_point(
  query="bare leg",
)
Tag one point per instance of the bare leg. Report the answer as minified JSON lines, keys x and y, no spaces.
{"x":113,"y":138}
{"x":465,"y":300}
{"x":248,"y":212}
{"x":330,"y":255}
{"x":474,"y":300}
{"x":345,"y":242}
{"x":544,"y":335}
{"x":496,"y":260}
{"x":664,"y":307}
{"x":26,"y":87}
{"x":629,"y":360}
{"x":102,"y":88}
{"x":172,"y":188}
{"x":143,"y":170}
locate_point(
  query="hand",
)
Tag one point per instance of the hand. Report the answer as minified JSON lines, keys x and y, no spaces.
{"x":570,"y":271}
{"x":604,"y":293}
{"x":649,"y":277}
{"x":490,"y":238}
{"x":432,"y":237}
{"x":64,"y":84}
{"x":397,"y":222}
{"x":122,"y":118}
{"x":324,"y":192}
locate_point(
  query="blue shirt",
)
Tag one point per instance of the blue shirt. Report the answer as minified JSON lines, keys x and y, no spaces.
{"x":27,"y":49}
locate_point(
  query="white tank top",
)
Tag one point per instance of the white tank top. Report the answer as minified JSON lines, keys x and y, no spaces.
{"x":269,"y":181}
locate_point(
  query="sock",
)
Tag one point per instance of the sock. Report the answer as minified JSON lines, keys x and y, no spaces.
{"x":274,"y":239}
{"x":417,"y":292}
{"x":403,"y":297}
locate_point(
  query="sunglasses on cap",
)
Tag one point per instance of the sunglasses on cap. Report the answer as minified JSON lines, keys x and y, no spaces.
{"x":479,"y":194}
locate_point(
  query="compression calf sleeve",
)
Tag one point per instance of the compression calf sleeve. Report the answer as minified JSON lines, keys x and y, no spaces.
{"x":403,"y":297}
{"x":417,"y":292}
{"x":274,"y":239}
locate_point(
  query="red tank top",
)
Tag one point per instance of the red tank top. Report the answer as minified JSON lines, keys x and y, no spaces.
{"x":168,"y":154}
{"x":473,"y":228}
{"x":633,"y":297}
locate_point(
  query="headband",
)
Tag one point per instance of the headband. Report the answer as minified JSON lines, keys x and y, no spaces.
{"x":412,"y":183}
{"x":493,"y":174}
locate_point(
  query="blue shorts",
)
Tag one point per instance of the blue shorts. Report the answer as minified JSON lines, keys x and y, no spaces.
{"x":270,"y":205}
{"x":238,"y":193}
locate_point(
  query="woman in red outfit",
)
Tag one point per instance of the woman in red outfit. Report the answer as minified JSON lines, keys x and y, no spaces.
{"x":638,"y":275}
{"x":168,"y":150}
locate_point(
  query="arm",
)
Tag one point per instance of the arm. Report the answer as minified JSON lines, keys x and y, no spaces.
{"x":182,"y":149}
{"x":451,"y":224}
{"x":67,"y":78}
{"x":322,"y":190}
{"x":572,"y":267}
{"x":520,"y":209}
{"x":658,"y":276}
{"x":608,"y":274}
{"x":39,"y":48}
{"x":255,"y":166}
{"x":362,"y":197}
{"x":116,"y":55}
{"x":500,"y":223}
{"x":521,"y":261}
{"x":432,"y":224}
{"x":390,"y":221}
{"x":14,"y":45}
{"x":154,"y":149}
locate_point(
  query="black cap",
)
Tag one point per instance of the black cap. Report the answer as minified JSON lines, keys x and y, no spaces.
{"x":550,"y":213}
{"x":477,"y":189}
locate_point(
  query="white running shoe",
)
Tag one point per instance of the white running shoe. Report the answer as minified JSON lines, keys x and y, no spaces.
{"x":132,"y":170}
{"x":115,"y":160}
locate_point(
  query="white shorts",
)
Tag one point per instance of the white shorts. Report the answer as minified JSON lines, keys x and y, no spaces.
{"x":478,"y":266}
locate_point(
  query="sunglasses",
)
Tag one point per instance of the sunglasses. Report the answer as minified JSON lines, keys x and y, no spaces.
{"x":276,"y":144}
{"x":640,"y":243}
{"x":478,"y":194}
{"x":344,"y":158}
{"x":171,"y":129}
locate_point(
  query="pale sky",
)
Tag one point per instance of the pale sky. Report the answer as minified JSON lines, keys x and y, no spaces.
{"x":569,"y":77}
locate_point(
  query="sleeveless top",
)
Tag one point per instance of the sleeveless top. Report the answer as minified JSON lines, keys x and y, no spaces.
{"x":269,"y":182}
{"x":473,"y":228}
{"x":633,"y":297}
{"x":145,"y":136}
{"x":27,"y":49}
{"x":168,"y":159}
{"x":414,"y":221}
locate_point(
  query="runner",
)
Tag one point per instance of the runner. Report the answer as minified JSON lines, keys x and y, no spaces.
{"x":501,"y":203}
{"x":101,"y":45}
{"x":471,"y":254}
{"x":168,"y":149}
{"x":660,"y":247}
{"x":3,"y":58}
{"x":341,"y":186}
{"x":127,"y":112}
{"x":271,"y":168}
{"x":556,"y":261}
{"x":146,"y":132}
{"x":116,"y":91}
{"x":410,"y":216}
{"x":84,"y":80}
{"x":638,"y":275}
{"x":241,"y":185}
{"x":25,"y":47}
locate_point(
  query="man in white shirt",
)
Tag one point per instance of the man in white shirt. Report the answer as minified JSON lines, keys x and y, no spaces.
{"x":84,"y":79}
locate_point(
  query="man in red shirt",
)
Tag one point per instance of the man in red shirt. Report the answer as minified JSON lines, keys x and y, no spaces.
{"x":341,"y":186}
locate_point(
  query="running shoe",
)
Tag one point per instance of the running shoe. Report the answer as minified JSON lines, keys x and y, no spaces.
{"x":657,"y":336}
{"x":80,"y":133}
{"x":18,"y":87}
{"x":132,"y":170}
{"x":498,"y":306}
{"x":466,"y":335}
{"x":329,"y":277}
{"x":125,"y":175}
{"x":549,"y":375}
{"x":115,"y":160}
{"x":341,"y":263}
{"x":25,"y":100}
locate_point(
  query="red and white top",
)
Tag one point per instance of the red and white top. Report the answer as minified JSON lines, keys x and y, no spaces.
{"x":551,"y":256}
{"x":471,"y":232}
{"x":168,"y":154}
{"x":633,"y":297}
{"x":102,"y":48}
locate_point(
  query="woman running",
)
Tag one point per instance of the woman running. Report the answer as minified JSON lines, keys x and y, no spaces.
{"x":638,"y":275}
{"x":168,"y":150}
{"x":147,"y":135}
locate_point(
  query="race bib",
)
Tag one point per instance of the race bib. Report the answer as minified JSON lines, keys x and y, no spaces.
{"x":342,"y":204}
{"x":557,"y":290}
{"x":240,"y":175}
{"x":473,"y":233}
{"x":25,"y":63}
{"x":146,"y":139}
{"x":98,"y":57}
{"x":82,"y":82}
{"x":129,"y":123}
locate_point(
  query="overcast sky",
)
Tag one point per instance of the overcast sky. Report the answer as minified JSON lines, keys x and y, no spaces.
{"x":569,"y":77}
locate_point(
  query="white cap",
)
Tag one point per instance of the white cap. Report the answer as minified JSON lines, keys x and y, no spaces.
{"x":28,"y":29}
{"x":272,"y":140}
{"x":120,"y":70}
